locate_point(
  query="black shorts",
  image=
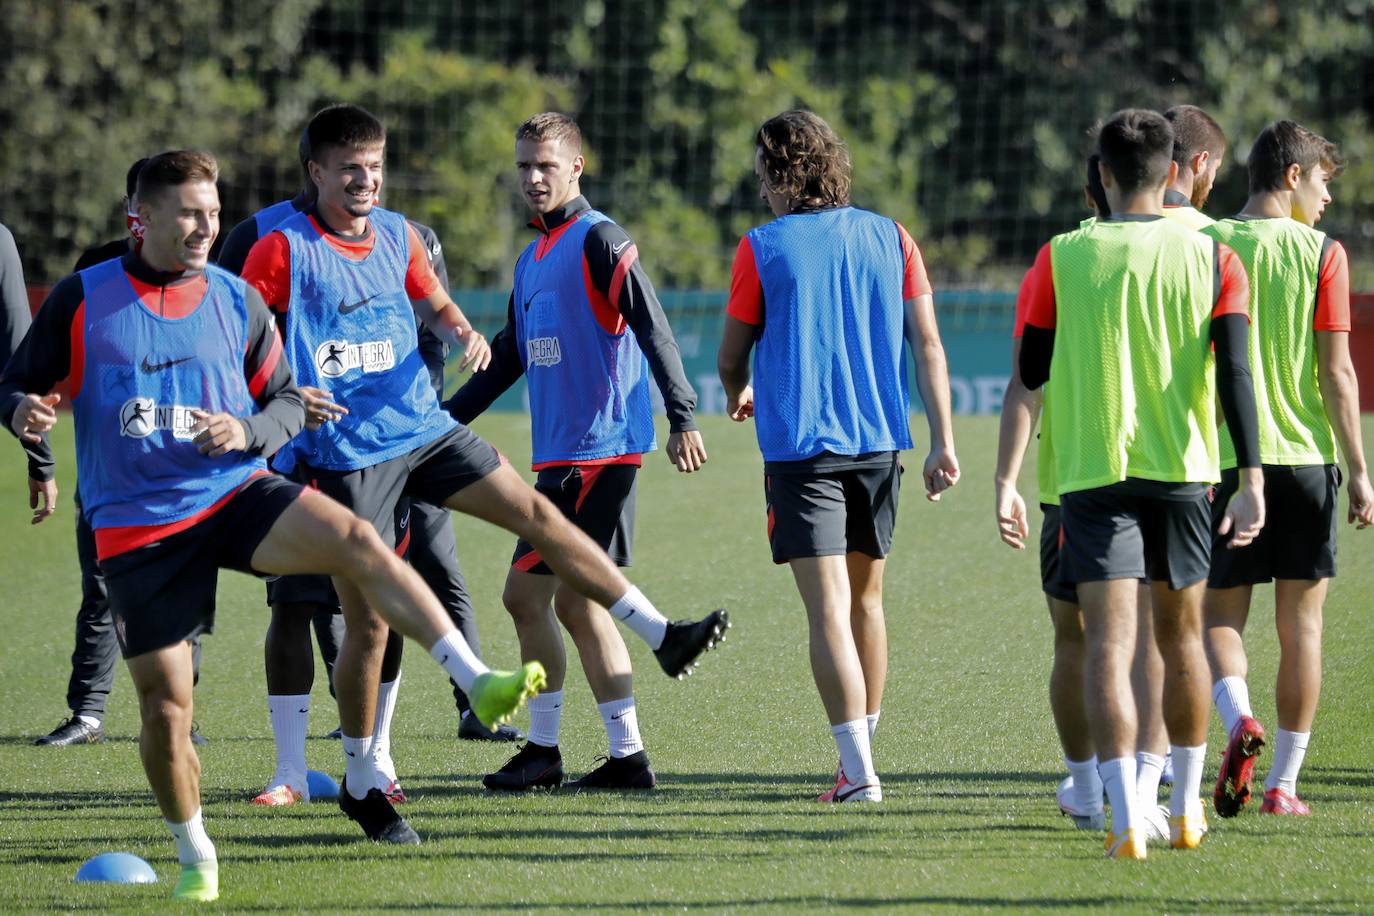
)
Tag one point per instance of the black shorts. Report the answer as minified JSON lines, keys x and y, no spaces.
{"x":319,"y":590}
{"x":1298,"y":541}
{"x":1137,"y":529}
{"x":1051,"y":543}
{"x":833,"y":512}
{"x":599,"y":499}
{"x":164,"y":593}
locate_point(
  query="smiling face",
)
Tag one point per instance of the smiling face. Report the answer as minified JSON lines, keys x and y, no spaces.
{"x":550,"y":173}
{"x":348,"y":181}
{"x":179,"y":225}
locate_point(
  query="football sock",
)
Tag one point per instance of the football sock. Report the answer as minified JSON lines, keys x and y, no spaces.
{"x":92,"y":721}
{"x":1148,"y":768}
{"x":639,"y":614}
{"x":290,"y":715}
{"x":1118,"y":778}
{"x":381,"y":727}
{"x":856,"y":755}
{"x":1232,"y":697}
{"x":359,"y":769}
{"x":193,"y":843}
{"x":1188,"y":764}
{"x":1289,"y":749}
{"x":873,"y":724}
{"x":1087,"y":784}
{"x":622,"y":726}
{"x":546,"y":714}
{"x":456,"y":657}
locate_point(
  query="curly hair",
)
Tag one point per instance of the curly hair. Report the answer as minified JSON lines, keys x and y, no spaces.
{"x":804,"y":160}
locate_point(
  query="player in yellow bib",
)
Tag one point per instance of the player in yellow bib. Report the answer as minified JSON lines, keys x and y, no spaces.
{"x":1308,"y":401}
{"x":1136,"y":379}
{"x":1199,"y":148}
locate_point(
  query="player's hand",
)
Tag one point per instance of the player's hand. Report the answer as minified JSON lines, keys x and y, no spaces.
{"x":1244,"y":517}
{"x":1361,"y":501}
{"x":741,"y":407}
{"x":1011,"y":516}
{"x":42,"y":499}
{"x":686,"y":451}
{"x":320,"y":407}
{"x":218,"y":433}
{"x":35,"y":416}
{"x":476,"y":350}
{"x":941,"y":472}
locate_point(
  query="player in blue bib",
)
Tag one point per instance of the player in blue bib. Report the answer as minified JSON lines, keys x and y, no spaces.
{"x":586,"y":330}
{"x":179,"y":390}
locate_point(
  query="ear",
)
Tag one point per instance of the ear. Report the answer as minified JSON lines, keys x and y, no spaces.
{"x":1105,"y":173}
{"x":1291,"y":175}
{"x":316,"y":172}
{"x":579,"y":165}
{"x":1199,"y":163}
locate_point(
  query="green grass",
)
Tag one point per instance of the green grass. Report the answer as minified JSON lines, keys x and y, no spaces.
{"x":966,"y":748}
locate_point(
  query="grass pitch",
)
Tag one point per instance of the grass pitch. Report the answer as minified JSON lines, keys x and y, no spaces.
{"x":966,"y":748}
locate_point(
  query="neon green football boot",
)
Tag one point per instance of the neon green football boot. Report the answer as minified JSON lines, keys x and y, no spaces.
{"x":199,"y":882}
{"x":496,"y":695}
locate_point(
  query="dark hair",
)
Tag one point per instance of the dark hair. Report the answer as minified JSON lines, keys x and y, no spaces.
{"x":1095,"y":189}
{"x":342,"y":125}
{"x":173,"y":169}
{"x":551,"y":125}
{"x":805,"y":160}
{"x":131,"y":177}
{"x":1284,"y":143}
{"x":1136,"y":145}
{"x":303,"y":151}
{"x":1195,"y":131}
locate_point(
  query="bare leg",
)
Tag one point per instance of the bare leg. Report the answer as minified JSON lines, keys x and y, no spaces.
{"x":1225,"y":611}
{"x":868,"y":624}
{"x":824,"y":586}
{"x":1178,"y":630}
{"x":528,"y":599}
{"x":1299,"y":622}
{"x":601,"y":648}
{"x":1147,"y":682}
{"x":1109,"y":628}
{"x":1066,"y":680}
{"x":163,"y":679}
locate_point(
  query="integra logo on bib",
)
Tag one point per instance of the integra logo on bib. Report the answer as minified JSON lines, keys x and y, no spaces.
{"x":543,"y":351}
{"x":335,"y":357}
{"x":139,"y":418}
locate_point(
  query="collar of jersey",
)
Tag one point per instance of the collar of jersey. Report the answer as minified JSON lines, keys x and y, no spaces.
{"x":564,"y":214}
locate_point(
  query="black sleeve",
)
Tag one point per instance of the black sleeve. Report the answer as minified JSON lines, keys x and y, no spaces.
{"x":42,"y":359}
{"x":281,"y":411}
{"x":240,"y":240}
{"x":608,"y":250}
{"x":98,"y":254}
{"x":1235,"y":387}
{"x":14,"y":298}
{"x":480,"y":391}
{"x":433,"y":351}
{"x":1037,"y":350}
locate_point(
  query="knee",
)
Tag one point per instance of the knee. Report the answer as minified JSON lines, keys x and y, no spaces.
{"x":867,"y":607}
{"x":573,"y":613}
{"x":165,"y":713}
{"x":522,"y":608}
{"x":362,"y":548}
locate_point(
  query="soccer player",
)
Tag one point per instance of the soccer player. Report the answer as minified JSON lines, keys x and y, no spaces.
{"x":822,"y":295}
{"x":96,"y":650}
{"x":1199,"y":148}
{"x":1080,"y":794}
{"x":1120,"y":316}
{"x":179,"y":389}
{"x":579,"y":288}
{"x":351,"y":278}
{"x":1308,"y":402}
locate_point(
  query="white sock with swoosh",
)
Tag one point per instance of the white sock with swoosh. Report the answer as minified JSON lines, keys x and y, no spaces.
{"x":622,"y":726}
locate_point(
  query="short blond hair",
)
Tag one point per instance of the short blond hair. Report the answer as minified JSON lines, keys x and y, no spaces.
{"x":551,"y":125}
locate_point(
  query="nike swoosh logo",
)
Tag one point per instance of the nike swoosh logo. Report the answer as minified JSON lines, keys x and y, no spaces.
{"x":158,"y":367}
{"x":839,"y":797}
{"x":305,"y":712}
{"x":345,"y":309}
{"x":444,"y":660}
{"x":617,"y":718}
{"x":616,"y":249}
{"x":350,"y":753}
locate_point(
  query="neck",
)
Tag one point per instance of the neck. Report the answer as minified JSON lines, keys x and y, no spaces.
{"x":161,"y":264}
{"x":1268,"y":205}
{"x":340,"y":220}
{"x":1183,"y":187}
{"x":1145,"y":203}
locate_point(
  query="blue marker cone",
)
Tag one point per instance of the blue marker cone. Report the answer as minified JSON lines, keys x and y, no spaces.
{"x":117,"y":868}
{"x":322,"y":785}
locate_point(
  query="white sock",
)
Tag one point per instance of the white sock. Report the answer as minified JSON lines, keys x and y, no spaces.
{"x":639,"y":614}
{"x":1148,"y":769}
{"x":193,"y":843}
{"x":381,"y":727}
{"x":546,"y":715}
{"x":1232,"y":696}
{"x":873,"y":724}
{"x":622,"y":726}
{"x":92,"y":721}
{"x":1118,"y":778}
{"x":856,"y":754}
{"x":1087,"y":784}
{"x":290,"y":713}
{"x":1289,"y":749}
{"x":359,"y":770}
{"x":1187,"y":792}
{"x":456,"y":657}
